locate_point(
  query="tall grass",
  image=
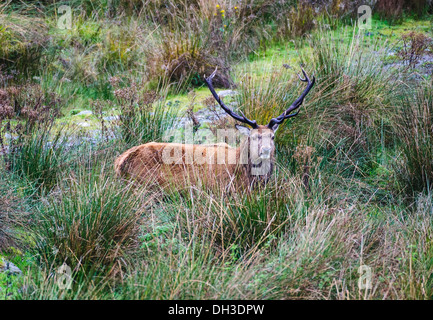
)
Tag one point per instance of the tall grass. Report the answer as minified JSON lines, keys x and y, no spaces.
{"x":317,"y":257}
{"x":413,"y":126}
{"x":91,"y":225}
{"x":352,"y":93}
{"x":31,"y":148}
{"x":9,"y":215}
{"x":232,"y":221}
{"x":38,"y":159}
{"x":145,"y":124}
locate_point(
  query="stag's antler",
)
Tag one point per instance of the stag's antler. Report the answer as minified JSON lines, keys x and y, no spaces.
{"x":295,"y":105}
{"x":242,"y":118}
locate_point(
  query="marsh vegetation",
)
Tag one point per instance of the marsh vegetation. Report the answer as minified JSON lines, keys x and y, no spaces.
{"x":352,"y":183}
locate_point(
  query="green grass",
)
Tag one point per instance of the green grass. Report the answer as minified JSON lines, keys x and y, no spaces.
{"x":94,"y":207}
{"x":37,"y":159}
{"x":352,"y":185}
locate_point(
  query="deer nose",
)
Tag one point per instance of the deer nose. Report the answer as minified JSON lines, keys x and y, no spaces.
{"x":265,"y":152}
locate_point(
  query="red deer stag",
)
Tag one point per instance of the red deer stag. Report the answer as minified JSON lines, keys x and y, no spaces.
{"x":177,"y":163}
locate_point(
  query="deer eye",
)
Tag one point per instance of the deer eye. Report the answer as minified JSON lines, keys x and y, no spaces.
{"x":273,"y":137}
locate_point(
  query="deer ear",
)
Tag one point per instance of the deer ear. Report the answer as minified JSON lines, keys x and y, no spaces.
{"x":244,"y":130}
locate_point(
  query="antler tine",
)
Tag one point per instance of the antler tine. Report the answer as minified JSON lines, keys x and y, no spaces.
{"x":297,"y":103}
{"x":305,"y":75}
{"x":212,"y":75}
{"x":235,"y":116}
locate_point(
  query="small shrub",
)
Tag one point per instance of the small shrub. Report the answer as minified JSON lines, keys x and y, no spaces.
{"x":414,"y":45}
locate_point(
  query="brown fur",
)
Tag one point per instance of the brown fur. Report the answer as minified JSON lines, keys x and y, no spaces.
{"x":145,"y":163}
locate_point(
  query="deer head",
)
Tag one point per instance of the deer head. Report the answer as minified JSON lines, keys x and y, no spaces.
{"x":261,"y":137}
